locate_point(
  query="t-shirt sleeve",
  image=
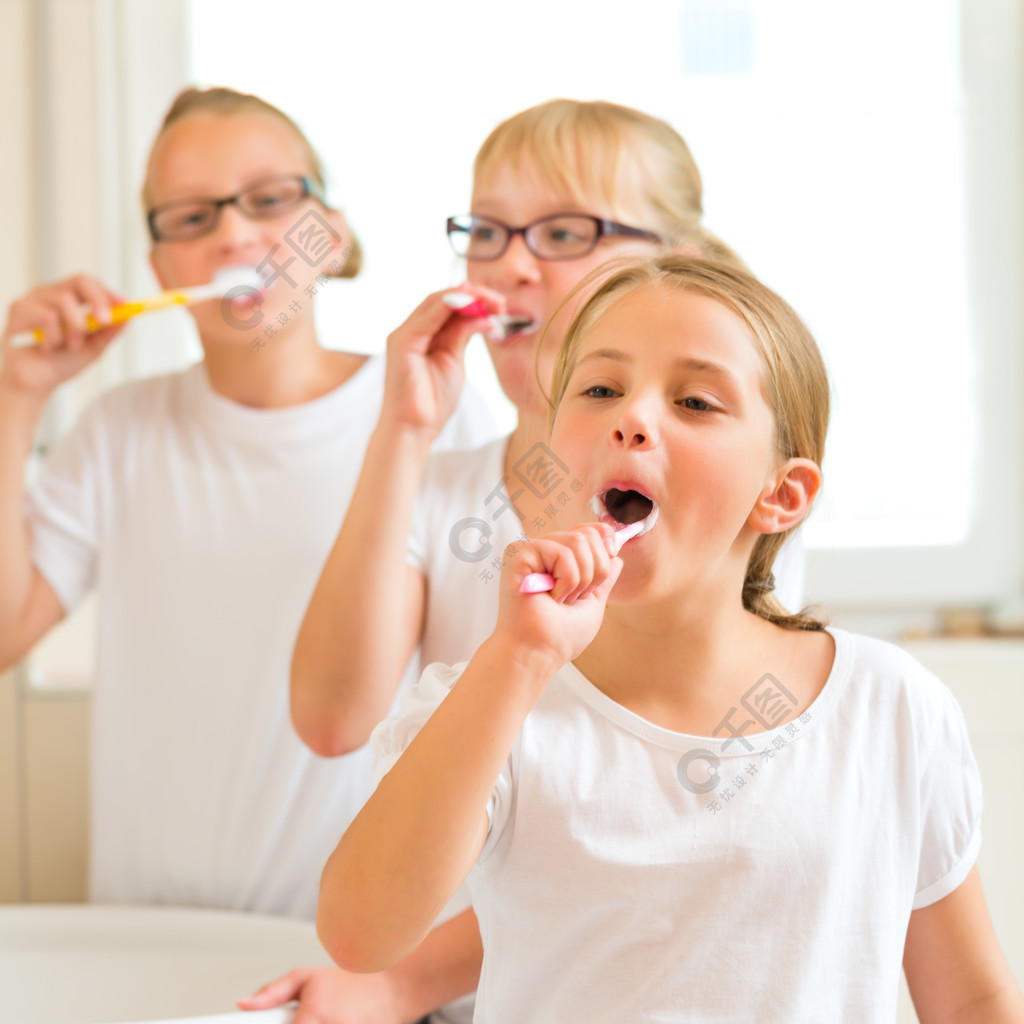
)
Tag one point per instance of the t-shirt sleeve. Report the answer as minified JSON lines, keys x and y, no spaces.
{"x":951,"y":804}
{"x":62,"y":507}
{"x":390,"y":739}
{"x":417,"y":703}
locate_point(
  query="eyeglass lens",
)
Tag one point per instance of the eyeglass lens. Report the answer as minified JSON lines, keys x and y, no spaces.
{"x":563,"y":237}
{"x":192,"y":218}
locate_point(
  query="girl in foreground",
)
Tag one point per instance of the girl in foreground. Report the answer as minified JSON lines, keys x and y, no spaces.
{"x":577,"y":183}
{"x":670,"y":807}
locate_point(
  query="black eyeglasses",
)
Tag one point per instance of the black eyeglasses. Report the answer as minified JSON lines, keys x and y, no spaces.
{"x":184,"y":219}
{"x":563,"y":236}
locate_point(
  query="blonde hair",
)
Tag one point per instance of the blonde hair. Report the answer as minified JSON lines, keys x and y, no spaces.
{"x":224,"y":102}
{"x":795,"y":380}
{"x":595,"y":148}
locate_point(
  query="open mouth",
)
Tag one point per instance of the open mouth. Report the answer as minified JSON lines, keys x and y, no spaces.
{"x":625,"y":507}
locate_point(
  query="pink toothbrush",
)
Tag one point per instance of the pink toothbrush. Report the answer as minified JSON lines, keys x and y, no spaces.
{"x":542,"y":582}
{"x":499,"y":326}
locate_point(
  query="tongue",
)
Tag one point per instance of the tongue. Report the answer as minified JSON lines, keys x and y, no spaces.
{"x":627,"y":506}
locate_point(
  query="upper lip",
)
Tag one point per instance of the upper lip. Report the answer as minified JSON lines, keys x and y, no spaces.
{"x":627,"y":485}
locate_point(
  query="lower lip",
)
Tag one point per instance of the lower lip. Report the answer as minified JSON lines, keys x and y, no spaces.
{"x":522,"y":332}
{"x":616,"y":525}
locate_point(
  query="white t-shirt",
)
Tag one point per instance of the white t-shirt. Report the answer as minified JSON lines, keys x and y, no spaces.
{"x":204,"y":525}
{"x":634,"y":873}
{"x":462,"y":523}
{"x":465,"y":518}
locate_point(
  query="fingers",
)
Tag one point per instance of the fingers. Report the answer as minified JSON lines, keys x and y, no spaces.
{"x":435,"y":326}
{"x":275,"y":993}
{"x":580,"y":562}
{"x":96,"y":298}
{"x":59,"y":312}
{"x":72,"y":320}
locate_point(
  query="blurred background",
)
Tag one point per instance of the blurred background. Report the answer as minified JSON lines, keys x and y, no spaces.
{"x":866,"y":161}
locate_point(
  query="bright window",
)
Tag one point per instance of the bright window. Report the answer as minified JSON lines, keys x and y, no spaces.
{"x":852,"y":154}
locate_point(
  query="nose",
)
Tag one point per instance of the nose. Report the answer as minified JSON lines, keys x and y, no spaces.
{"x":516,"y":265}
{"x":235,"y":231}
{"x":634,"y":426}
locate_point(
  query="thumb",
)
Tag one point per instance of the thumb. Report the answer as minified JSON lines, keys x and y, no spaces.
{"x":276,"y":992}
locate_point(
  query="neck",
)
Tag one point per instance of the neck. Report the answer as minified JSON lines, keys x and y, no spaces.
{"x":289,"y":368}
{"x":531,"y":429}
{"x":684,"y":664}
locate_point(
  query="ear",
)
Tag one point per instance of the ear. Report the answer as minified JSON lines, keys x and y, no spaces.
{"x":787,"y":497}
{"x":337,"y":221}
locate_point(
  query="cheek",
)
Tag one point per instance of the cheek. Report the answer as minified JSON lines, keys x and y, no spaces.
{"x":573,"y":440}
{"x":476,"y":272}
{"x":178,"y":266}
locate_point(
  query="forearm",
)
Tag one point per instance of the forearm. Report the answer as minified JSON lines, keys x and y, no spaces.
{"x":363,"y":622}
{"x":19,"y":416}
{"x":442,"y":968}
{"x":1003,"y":1007}
{"x":416,"y":839}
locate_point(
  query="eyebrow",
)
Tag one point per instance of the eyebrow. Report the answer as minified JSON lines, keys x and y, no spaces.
{"x":686,"y":363}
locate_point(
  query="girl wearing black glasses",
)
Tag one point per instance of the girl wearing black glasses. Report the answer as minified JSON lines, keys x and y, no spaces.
{"x":200,"y":505}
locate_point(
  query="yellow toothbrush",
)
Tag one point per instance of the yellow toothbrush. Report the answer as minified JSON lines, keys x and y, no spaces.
{"x":224,"y":281}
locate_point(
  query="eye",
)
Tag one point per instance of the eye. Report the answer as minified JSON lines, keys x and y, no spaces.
{"x":561,"y":234}
{"x":599,"y":391}
{"x":697,"y":404}
{"x":184,"y":218}
{"x":265,"y":200}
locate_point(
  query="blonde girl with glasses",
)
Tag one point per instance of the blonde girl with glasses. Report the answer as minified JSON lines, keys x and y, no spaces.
{"x":628,"y":861}
{"x":558,"y":189}
{"x":200,"y":506}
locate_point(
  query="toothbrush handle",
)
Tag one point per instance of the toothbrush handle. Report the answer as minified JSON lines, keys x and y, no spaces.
{"x":537,"y":583}
{"x":118,"y":315}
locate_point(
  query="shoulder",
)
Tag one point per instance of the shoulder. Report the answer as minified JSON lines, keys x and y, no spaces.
{"x":479,"y":468}
{"x":416,"y":704}
{"x":117,"y":417}
{"x":472,"y":423}
{"x":888,"y":680}
{"x":885,"y":663}
{"x":455,"y":488}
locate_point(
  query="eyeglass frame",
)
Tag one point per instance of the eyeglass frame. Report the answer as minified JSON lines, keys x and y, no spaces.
{"x":605,"y":229}
{"x":310,"y":189}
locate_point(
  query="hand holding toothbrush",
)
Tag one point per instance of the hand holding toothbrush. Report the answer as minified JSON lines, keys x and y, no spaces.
{"x":59,"y":313}
{"x":425,"y":369}
{"x":582,"y":566}
{"x":57,"y":329}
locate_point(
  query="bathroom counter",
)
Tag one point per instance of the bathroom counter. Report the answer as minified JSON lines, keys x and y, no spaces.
{"x":90,"y":964}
